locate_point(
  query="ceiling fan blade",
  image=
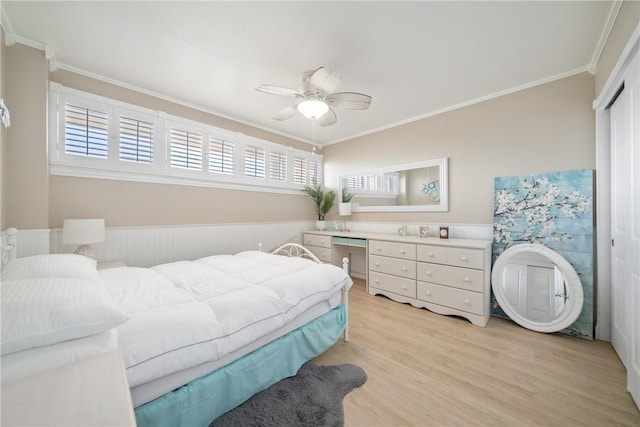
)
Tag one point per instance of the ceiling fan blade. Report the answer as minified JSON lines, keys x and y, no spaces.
{"x":286,"y":113}
{"x":325,"y":80}
{"x":277,"y":90}
{"x":329,"y":118}
{"x":349,"y":100}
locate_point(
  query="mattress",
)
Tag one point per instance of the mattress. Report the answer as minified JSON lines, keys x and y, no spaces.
{"x":188,"y":318}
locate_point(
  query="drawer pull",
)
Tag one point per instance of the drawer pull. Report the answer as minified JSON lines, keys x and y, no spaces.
{"x":378,"y":248}
{"x":466,"y":279}
{"x":430,"y":254}
{"x":464,"y":258}
{"x":404,"y":287}
{"x":466,"y":301}
{"x":404,"y":268}
{"x":428,"y":293}
{"x":377,"y":281}
{"x":427,"y":273}
{"x":402,"y":251}
{"x":377,"y":264}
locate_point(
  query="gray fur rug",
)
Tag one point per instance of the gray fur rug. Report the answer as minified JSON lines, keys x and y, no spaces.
{"x":313,"y":397}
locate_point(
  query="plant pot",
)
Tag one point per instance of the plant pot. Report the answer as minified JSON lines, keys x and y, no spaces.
{"x":321,"y":225}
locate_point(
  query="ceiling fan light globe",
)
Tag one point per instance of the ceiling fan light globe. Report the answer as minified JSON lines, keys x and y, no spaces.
{"x":313,"y":108}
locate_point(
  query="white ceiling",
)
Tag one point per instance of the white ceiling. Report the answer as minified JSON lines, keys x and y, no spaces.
{"x":414,"y":58}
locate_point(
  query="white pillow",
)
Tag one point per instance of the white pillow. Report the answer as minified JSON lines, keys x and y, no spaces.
{"x":51,"y":265}
{"x":39,"y":312}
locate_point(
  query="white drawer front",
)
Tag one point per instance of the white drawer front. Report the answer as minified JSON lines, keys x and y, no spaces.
{"x":392,"y":249}
{"x":317,"y":240}
{"x":471,"y":302}
{"x":323,"y":254}
{"x":395,"y":266}
{"x":437,"y":254}
{"x":397,"y":285}
{"x":463,"y":278}
{"x":470,"y":258}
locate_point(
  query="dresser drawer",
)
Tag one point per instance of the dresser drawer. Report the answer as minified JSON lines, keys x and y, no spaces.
{"x":395,"y":266}
{"x":392,"y":249}
{"x":463,"y":278}
{"x":323,"y":254}
{"x":397,"y":285}
{"x":471,"y":302}
{"x":470,"y":258}
{"x":437,"y":254}
{"x":317,"y":240}
{"x":461,"y":257}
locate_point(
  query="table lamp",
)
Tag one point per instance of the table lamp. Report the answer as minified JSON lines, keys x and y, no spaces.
{"x":83,"y":232}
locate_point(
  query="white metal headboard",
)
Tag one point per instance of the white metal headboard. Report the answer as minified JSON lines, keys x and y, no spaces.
{"x":8,"y":246}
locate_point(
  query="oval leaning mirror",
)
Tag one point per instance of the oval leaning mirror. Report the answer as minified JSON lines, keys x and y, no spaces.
{"x":537,"y":287}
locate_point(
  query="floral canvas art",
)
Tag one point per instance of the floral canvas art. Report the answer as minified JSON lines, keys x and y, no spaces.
{"x":554,"y":210}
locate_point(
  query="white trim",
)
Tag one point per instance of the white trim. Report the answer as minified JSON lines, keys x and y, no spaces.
{"x":604,"y":36}
{"x":467,"y":103}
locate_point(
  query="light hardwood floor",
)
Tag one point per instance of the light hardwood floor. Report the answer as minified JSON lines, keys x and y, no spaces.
{"x":425,"y":369}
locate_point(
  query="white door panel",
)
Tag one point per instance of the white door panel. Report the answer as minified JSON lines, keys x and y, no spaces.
{"x":625,"y":226}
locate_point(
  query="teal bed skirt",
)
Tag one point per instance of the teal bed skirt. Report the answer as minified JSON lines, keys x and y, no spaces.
{"x":204,"y":399}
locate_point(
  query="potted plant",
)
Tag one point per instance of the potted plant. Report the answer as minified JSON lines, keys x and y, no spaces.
{"x":323,"y":200}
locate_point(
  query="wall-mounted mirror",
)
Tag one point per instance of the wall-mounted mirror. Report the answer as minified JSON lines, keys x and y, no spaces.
{"x":537,"y":287}
{"x":411,"y":187}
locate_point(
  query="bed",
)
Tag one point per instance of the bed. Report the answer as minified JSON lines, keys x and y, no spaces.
{"x":197,"y":337}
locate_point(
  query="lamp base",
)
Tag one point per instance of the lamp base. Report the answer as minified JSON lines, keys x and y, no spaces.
{"x":85,"y":250}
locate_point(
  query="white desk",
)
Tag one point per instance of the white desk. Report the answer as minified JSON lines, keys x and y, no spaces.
{"x":92,"y":392}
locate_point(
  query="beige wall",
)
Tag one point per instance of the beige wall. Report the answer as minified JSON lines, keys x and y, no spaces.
{"x":547,"y":128}
{"x":626,"y":22}
{"x":35,"y":200}
{"x":27,"y":177}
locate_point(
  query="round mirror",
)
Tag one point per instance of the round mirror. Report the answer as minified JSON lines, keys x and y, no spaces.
{"x":537,"y":288}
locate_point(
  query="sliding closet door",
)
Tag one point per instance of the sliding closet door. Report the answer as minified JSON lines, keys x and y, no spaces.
{"x":625,"y":226}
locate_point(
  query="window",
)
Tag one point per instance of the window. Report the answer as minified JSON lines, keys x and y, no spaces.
{"x":85,"y":132}
{"x":136,"y":140}
{"x":97,"y":137}
{"x":254,"y":162}
{"x":277,"y":166}
{"x":305,"y":171}
{"x":221,"y":156}
{"x":186,"y":149}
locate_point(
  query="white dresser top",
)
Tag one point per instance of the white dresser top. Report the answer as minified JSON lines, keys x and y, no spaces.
{"x":466,"y":243}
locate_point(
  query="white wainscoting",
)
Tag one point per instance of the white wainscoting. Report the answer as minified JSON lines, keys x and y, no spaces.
{"x":147,"y":246}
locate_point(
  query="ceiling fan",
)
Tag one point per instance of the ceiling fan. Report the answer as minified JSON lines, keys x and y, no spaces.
{"x":317,"y":99}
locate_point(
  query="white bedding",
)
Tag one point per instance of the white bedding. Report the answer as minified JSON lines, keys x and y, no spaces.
{"x":184,"y":319}
{"x":187,"y":313}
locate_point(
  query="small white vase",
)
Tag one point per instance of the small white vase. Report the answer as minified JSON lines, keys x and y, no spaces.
{"x":321,"y":225}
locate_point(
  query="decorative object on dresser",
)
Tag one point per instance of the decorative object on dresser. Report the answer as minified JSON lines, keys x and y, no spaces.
{"x":312,"y":397}
{"x":83,"y":232}
{"x":323,"y":202}
{"x":444,"y":232}
{"x":424,"y":231}
{"x":449,"y":277}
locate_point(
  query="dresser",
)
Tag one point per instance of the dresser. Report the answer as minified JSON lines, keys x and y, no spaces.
{"x":319,"y":245}
{"x":446,"y":276}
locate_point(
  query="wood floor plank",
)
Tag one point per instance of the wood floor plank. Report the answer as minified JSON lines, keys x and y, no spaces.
{"x":425,"y":369}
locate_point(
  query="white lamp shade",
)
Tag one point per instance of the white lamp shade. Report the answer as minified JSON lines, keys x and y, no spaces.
{"x":83,"y":231}
{"x":344,"y":209}
{"x":313,"y":108}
